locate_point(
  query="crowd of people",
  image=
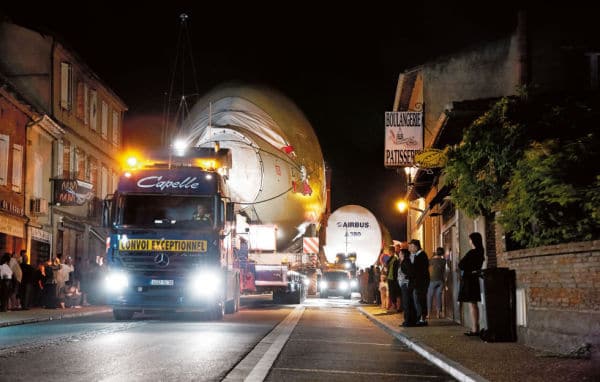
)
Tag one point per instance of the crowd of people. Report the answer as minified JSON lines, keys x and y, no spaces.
{"x":411,"y":283}
{"x":52,"y":284}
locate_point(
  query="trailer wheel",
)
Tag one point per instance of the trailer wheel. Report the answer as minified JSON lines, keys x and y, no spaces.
{"x":122,"y":314}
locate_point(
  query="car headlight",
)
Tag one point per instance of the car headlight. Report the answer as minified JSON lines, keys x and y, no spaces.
{"x":353,"y":284}
{"x":343,"y":285}
{"x":323,"y":284}
{"x":116,"y":282}
{"x":205,"y":283}
{"x":306,"y":281}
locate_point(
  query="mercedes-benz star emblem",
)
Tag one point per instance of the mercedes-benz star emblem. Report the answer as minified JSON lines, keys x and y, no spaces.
{"x":162,"y":260}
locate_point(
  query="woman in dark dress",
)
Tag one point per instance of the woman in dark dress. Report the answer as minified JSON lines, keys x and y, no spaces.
{"x":469,"y":291}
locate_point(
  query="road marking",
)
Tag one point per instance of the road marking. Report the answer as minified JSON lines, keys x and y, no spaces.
{"x":259,"y":361}
{"x":342,"y":342}
{"x":453,"y":368}
{"x":374,"y":373}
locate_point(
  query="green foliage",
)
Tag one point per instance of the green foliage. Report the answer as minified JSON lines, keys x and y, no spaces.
{"x":535,"y":160}
{"x":481,"y":165}
{"x":540,"y":207}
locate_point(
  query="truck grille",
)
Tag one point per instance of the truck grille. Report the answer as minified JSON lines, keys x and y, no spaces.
{"x":153,"y":263}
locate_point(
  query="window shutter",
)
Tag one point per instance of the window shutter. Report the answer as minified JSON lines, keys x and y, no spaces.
{"x":115,"y":128}
{"x":79,"y":96}
{"x":38,"y":175}
{"x":93,"y":109}
{"x":104,"y":183}
{"x":86,"y":104}
{"x":104,"y":120}
{"x":65,"y":85}
{"x":66,"y":154}
{"x":4,"y":142}
{"x":58,"y":154}
{"x":17,"y":170}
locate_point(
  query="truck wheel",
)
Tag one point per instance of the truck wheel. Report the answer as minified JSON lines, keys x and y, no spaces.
{"x":218,"y":312}
{"x":347,"y":297}
{"x":324,"y":295}
{"x":121,"y":314}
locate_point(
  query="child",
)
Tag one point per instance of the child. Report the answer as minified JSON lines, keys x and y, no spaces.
{"x":383,"y":290}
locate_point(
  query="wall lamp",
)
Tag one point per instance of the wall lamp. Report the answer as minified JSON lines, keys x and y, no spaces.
{"x":403,"y":206}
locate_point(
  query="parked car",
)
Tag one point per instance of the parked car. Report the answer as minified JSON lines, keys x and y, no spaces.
{"x":336,"y":283}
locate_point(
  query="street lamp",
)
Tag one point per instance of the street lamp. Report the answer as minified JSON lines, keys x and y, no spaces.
{"x":410,"y":172}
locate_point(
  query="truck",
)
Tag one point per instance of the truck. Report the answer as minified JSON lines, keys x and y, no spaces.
{"x":169,"y":246}
{"x":263,"y":269}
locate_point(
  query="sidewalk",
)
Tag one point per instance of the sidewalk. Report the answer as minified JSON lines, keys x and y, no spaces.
{"x":471,"y":359}
{"x":20,"y":317}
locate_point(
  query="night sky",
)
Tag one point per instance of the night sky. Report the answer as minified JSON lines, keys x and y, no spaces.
{"x":339,"y":65}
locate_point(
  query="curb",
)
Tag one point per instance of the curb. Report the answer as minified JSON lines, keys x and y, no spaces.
{"x":451,"y":367}
{"x":51,"y":317}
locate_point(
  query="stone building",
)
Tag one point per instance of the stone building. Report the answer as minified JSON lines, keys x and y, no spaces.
{"x":452,"y":91}
{"x":81,"y":161}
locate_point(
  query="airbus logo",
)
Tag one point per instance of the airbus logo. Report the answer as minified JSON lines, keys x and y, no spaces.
{"x":162,"y":260}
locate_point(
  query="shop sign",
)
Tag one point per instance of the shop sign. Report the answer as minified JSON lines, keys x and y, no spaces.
{"x":40,"y":235}
{"x":403,"y":137}
{"x":12,"y":226}
{"x":12,"y":208}
{"x":72,"y":192}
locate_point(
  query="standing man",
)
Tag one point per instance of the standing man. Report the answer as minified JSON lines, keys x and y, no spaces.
{"x":27,"y":281}
{"x":419,"y":280}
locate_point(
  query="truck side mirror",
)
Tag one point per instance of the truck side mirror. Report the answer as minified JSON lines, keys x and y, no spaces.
{"x":106,"y":212}
{"x":229,"y":212}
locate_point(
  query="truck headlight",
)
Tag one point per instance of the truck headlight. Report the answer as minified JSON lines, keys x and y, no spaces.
{"x":343,"y":285}
{"x":116,"y":282}
{"x":323,"y":284}
{"x":205,"y":283}
{"x":353,"y":284}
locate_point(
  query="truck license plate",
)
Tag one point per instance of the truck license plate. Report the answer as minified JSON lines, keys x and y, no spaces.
{"x":161,"y":282}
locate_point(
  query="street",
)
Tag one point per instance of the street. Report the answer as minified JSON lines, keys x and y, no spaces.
{"x":328,"y":340}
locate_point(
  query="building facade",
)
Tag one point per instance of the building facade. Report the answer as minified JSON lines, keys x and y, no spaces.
{"x":453,"y":91}
{"x":68,"y":174}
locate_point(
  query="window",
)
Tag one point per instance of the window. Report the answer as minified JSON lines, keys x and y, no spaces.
{"x":38,"y":175}
{"x":93,"y":109}
{"x":17,"y":170}
{"x":115,"y":128}
{"x":4,"y":144}
{"x":104,"y":120}
{"x":66,"y":85}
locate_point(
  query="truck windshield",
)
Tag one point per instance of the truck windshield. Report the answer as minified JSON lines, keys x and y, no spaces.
{"x":167,"y":211}
{"x":336,"y":276}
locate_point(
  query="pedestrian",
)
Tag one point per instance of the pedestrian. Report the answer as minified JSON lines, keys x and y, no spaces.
{"x":469,"y":291}
{"x":50,"y":294}
{"x":15,"y":267}
{"x":377,"y":293}
{"x":371,"y":285}
{"x":363,"y":281}
{"x":393,"y":287}
{"x":383,"y":291}
{"x":6,"y":276}
{"x":408,"y":305}
{"x":27,"y":283}
{"x":419,"y":280}
{"x":436,"y":284}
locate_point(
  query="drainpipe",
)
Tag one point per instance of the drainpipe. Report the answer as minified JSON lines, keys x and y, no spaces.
{"x":523,"y":49}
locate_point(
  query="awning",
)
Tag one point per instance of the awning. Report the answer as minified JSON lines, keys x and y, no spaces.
{"x":440,"y":196}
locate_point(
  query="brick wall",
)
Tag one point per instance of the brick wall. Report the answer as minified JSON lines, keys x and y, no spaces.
{"x":565,"y":276}
{"x":562,"y":289}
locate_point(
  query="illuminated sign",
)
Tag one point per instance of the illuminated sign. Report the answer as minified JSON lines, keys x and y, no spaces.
{"x":403,"y":137}
{"x":158,"y":182}
{"x":163,"y":245}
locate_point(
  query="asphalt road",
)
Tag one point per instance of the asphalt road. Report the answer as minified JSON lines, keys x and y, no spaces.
{"x":320,"y":340}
